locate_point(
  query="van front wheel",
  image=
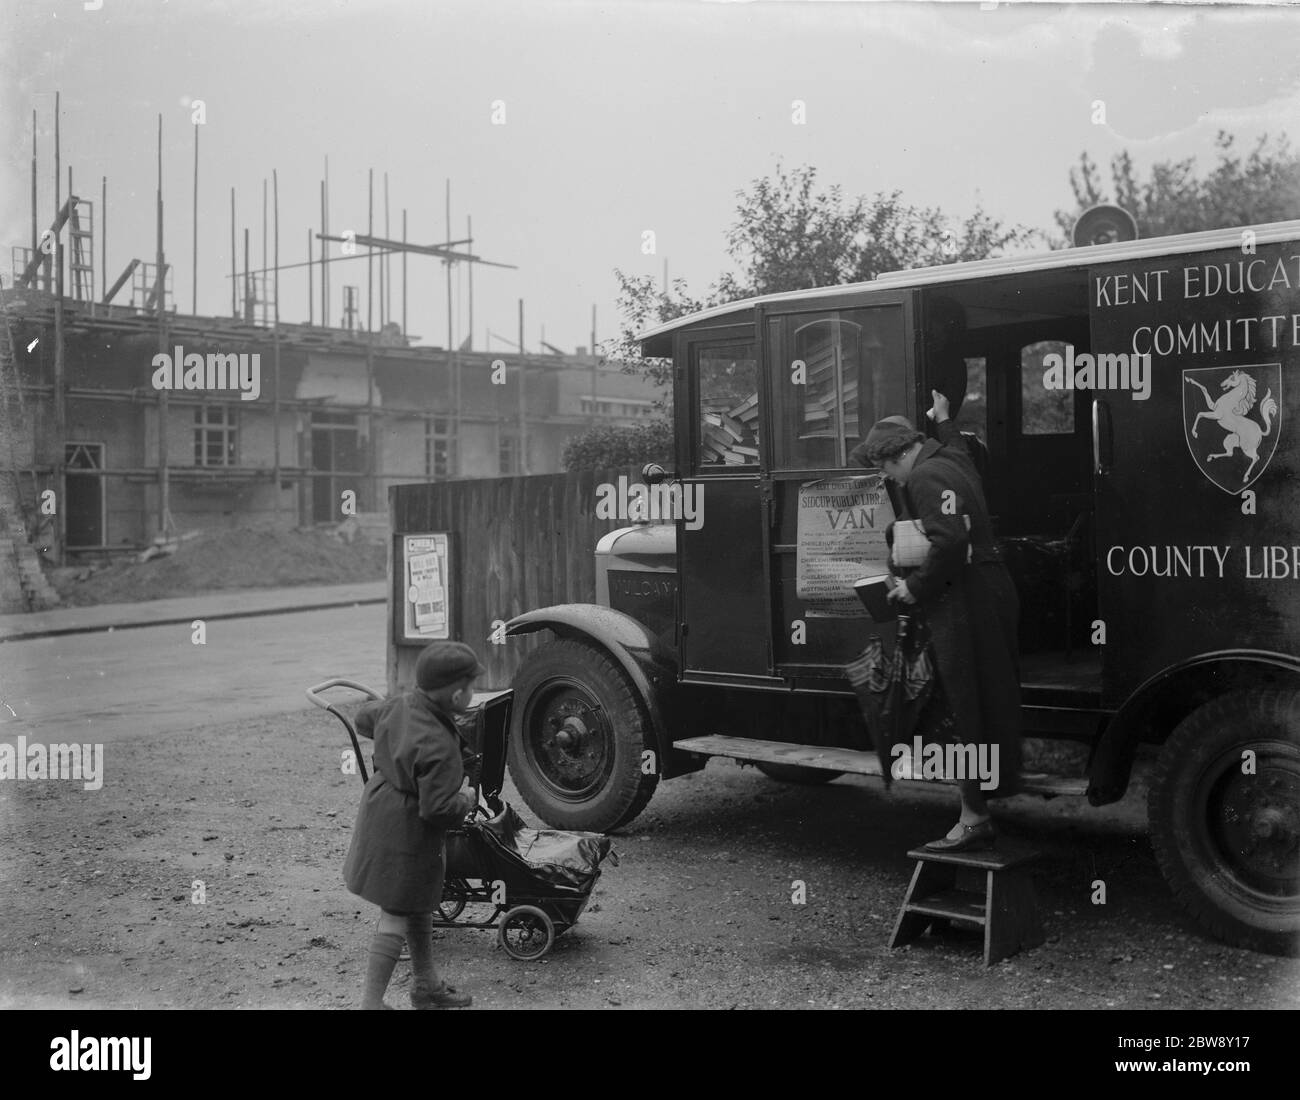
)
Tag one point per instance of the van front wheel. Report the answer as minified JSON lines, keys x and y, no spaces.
{"x":579,"y":735}
{"x":1224,"y":811}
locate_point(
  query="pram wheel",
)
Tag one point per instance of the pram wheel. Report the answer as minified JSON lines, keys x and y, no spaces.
{"x":526,"y":932}
{"x":454,"y":892}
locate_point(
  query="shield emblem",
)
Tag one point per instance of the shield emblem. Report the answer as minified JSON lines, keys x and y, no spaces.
{"x":1232,"y":417}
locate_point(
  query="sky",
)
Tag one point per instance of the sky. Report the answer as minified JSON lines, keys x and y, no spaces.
{"x":570,"y":129}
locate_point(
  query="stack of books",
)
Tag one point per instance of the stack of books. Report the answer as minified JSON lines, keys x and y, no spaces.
{"x":730,"y":435}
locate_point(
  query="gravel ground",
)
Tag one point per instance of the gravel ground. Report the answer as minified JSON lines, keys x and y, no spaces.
{"x":96,"y":888}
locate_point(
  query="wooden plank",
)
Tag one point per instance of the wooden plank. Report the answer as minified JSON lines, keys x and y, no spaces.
{"x":848,"y":760}
{"x":1005,"y":854}
{"x":778,"y":752}
{"x":966,"y":905}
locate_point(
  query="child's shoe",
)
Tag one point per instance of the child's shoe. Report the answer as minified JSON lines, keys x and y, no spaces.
{"x":444,"y":996}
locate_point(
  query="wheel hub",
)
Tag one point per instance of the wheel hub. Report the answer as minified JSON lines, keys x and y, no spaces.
{"x":1259,"y":821}
{"x":570,"y":742}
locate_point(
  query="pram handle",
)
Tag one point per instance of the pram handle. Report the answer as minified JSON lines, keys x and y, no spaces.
{"x":313,"y":693}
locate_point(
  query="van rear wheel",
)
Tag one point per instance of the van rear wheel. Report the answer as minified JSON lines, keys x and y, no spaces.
{"x":1224,"y":810}
{"x":577,"y":734}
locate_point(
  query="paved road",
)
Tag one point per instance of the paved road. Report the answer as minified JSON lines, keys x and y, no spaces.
{"x":156,"y":680}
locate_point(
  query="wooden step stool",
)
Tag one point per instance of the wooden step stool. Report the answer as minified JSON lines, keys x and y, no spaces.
{"x":1004,"y":906}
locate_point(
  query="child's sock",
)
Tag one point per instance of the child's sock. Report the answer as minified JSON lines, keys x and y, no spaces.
{"x":384,"y":949}
{"x":419,"y":936}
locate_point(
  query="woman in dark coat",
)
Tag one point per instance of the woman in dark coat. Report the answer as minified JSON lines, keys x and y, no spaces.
{"x":967,"y":597}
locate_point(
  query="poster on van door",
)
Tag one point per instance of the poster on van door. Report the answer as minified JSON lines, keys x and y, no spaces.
{"x":841,"y":539}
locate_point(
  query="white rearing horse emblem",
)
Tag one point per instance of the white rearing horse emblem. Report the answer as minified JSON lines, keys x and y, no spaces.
{"x":1230,"y":412}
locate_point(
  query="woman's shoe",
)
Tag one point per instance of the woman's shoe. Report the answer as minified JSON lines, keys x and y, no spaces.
{"x":973,"y":838}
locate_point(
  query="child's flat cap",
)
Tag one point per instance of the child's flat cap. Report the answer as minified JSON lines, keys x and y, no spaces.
{"x":443,"y":663}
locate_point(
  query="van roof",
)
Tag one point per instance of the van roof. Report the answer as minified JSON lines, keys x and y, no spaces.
{"x":1005,"y":265}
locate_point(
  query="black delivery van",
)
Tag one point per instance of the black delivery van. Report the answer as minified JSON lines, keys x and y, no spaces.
{"x":1134,"y":408}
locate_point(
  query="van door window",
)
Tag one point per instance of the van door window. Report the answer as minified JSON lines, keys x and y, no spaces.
{"x":726,"y":400}
{"x":1043,"y":411}
{"x":834,"y":375}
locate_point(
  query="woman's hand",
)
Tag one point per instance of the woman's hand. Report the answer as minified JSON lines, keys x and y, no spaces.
{"x":939,"y":411}
{"x":901,"y":593}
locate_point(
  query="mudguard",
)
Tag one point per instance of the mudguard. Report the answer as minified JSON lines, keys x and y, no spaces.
{"x":1167,"y":698}
{"x":635,"y":649}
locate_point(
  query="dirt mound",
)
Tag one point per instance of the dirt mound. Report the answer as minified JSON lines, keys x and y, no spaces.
{"x":219,"y":560}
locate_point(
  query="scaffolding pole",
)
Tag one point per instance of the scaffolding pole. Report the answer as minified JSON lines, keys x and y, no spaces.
{"x":60,"y":380}
{"x":275,"y":336}
{"x":194,"y":273}
{"x":523,"y":421}
{"x":164,"y":488}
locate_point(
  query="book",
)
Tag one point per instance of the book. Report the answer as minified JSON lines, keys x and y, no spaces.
{"x":750,"y":403}
{"x":873,"y":591}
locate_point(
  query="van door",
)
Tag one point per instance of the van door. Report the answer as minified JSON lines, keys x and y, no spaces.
{"x":721,"y":551}
{"x":835,"y":367}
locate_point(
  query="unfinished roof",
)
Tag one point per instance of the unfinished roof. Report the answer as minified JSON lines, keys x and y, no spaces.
{"x":1005,"y":265}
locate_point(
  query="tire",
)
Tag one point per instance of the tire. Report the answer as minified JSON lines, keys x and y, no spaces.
{"x":577,"y":732}
{"x":526,"y":933}
{"x":454,"y":894}
{"x":797,"y":773}
{"x":1228,"y":843}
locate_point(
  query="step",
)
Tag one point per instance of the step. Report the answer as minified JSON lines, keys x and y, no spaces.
{"x":967,"y":905}
{"x":1004,"y":855}
{"x":854,"y":761}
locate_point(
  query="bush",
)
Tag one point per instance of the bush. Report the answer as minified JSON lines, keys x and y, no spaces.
{"x":606,"y":446}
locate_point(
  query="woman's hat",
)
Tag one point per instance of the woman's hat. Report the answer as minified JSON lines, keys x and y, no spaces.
{"x":889,"y":435}
{"x":443,"y":663}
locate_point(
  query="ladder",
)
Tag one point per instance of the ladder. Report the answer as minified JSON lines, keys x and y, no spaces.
{"x":81,"y":249}
{"x":79,"y":215}
{"x":145,"y":285}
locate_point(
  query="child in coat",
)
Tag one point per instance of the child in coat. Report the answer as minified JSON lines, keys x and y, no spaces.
{"x":418,"y":791}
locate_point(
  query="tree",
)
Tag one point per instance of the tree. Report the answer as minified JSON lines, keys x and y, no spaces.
{"x":642,"y":305}
{"x":788,"y":235}
{"x":1262,"y":187}
{"x":608,"y":445}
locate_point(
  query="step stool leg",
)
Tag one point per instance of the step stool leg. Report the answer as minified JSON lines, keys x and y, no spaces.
{"x":1012,"y":909}
{"x":928,"y":878}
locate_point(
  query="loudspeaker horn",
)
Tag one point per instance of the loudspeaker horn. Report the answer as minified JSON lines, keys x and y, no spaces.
{"x":1104,"y":224}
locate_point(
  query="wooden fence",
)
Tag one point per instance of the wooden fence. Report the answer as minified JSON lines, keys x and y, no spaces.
{"x":517,"y":543}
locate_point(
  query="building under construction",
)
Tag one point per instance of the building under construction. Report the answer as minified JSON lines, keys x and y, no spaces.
{"x":97,"y":404}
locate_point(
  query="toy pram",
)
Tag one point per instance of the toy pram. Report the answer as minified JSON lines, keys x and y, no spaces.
{"x":538,"y":882}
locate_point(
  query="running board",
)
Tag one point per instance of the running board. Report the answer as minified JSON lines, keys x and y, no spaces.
{"x":850,"y":760}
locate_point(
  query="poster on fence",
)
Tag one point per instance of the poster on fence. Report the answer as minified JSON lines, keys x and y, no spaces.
{"x":425,"y":574}
{"x":841,"y":539}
